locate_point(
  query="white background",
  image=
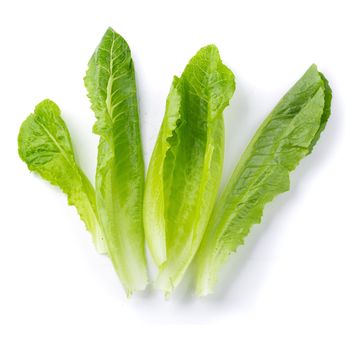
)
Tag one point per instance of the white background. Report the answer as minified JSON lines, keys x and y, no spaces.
{"x":288,"y":287}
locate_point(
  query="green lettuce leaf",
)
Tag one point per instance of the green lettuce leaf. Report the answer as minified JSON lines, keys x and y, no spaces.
{"x":186,"y":164}
{"x":110,"y":81}
{"x":45,"y":145}
{"x":286,"y":136}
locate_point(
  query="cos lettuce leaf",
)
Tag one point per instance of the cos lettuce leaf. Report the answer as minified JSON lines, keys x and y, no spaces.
{"x":110,"y":81}
{"x":286,"y":136}
{"x":45,"y":145}
{"x":185,"y":168}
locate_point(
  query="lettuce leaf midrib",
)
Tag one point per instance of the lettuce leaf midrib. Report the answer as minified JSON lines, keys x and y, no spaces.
{"x":61,"y":150}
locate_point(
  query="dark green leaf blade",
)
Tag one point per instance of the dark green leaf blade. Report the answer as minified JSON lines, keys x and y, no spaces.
{"x":286,"y":136}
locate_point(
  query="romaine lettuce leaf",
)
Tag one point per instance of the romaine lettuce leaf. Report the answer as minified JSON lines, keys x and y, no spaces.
{"x":45,"y":145}
{"x":110,"y":81}
{"x":286,"y":136}
{"x":185,"y":168}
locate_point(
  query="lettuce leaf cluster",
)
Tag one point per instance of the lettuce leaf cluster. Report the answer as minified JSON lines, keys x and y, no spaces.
{"x":176,"y":209}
